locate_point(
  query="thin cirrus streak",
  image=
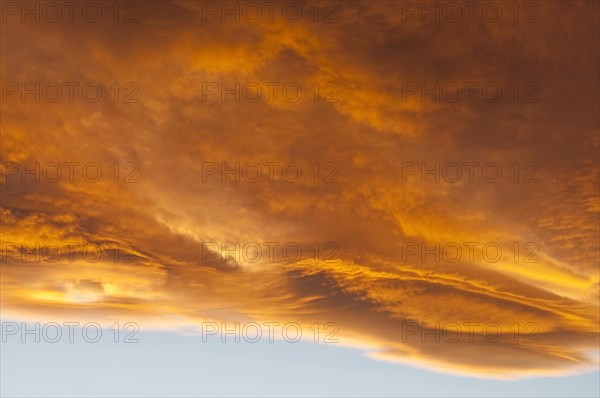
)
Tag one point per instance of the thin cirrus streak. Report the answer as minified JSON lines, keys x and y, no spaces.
{"x":373,"y":286}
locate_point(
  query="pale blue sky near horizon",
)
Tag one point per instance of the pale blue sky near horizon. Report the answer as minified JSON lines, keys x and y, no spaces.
{"x":169,"y":364}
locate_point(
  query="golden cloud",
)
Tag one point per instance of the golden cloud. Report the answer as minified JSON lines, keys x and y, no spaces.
{"x":154,"y":208}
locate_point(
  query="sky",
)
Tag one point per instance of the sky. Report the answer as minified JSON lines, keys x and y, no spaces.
{"x":414,"y":185}
{"x":162,"y":364}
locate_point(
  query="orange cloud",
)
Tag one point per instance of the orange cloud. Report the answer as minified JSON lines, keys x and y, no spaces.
{"x":395,"y":304}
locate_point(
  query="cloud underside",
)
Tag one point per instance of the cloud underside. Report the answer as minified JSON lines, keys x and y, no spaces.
{"x":369,"y":287}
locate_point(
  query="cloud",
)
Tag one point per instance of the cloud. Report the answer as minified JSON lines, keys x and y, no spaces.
{"x":387,"y":300}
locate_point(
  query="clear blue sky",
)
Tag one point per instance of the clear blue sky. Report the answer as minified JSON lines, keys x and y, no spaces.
{"x":165,"y":364}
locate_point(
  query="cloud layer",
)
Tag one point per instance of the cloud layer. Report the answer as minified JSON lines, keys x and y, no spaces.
{"x":367,"y":134}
